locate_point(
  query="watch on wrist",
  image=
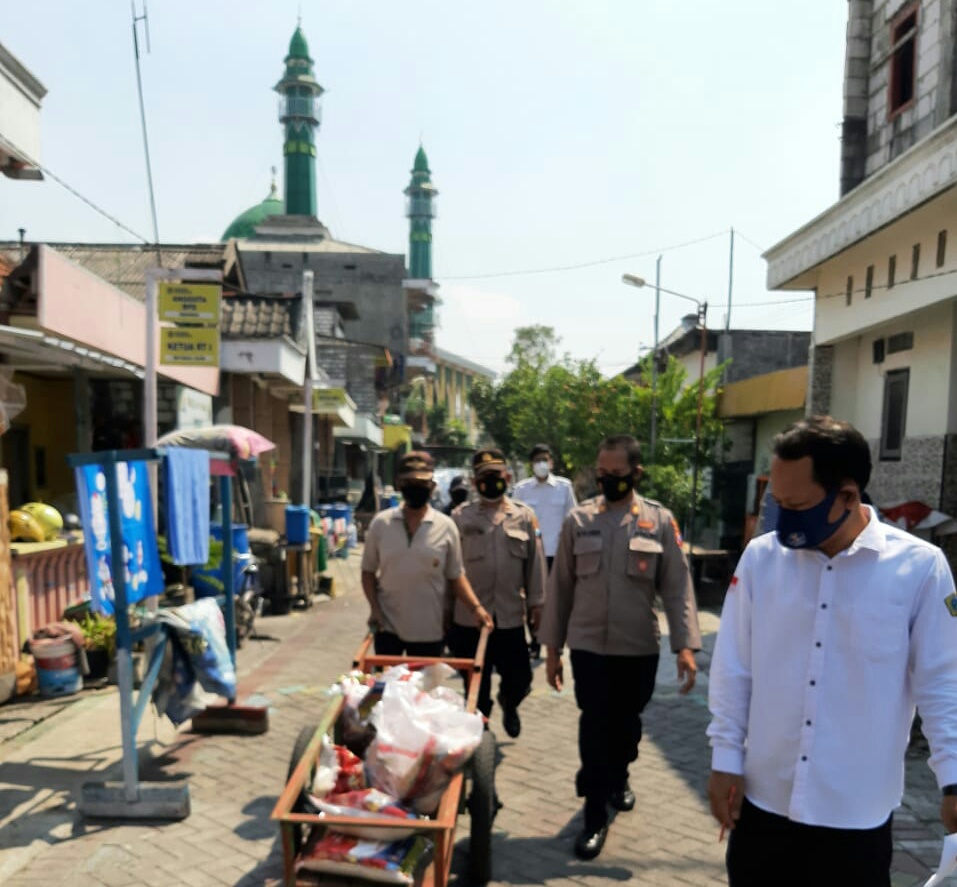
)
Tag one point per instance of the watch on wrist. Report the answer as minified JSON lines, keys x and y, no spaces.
{"x":949,"y":790}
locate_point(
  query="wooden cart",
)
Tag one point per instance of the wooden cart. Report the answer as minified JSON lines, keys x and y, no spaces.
{"x":472,"y":789}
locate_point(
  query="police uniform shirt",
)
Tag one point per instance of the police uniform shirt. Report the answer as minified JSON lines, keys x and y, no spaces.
{"x":503,"y":557}
{"x":609,"y":566}
{"x":413,"y":574}
{"x":551,"y":500}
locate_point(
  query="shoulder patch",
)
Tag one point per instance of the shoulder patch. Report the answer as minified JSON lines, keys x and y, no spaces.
{"x":678,"y":539}
{"x":653,"y":502}
{"x":734,"y":581}
{"x":951,"y":603}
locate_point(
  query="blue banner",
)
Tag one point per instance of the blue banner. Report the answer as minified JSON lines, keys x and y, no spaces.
{"x":142,"y":571}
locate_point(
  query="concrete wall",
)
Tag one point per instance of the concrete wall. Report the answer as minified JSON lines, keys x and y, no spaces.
{"x":767,"y":428}
{"x":933,"y":102}
{"x":19,"y":113}
{"x":370,"y":282}
{"x":858,"y":391}
{"x":756,"y":352}
{"x":835,"y":319}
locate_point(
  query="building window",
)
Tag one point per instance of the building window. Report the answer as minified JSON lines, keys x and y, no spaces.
{"x":891,"y":271}
{"x":869,"y":282}
{"x":900,"y":342}
{"x":914,"y":261}
{"x":893,"y":419}
{"x":849,"y":291}
{"x":941,"y":248}
{"x":903,"y":59}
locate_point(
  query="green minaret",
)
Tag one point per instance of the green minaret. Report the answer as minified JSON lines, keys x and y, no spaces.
{"x":299,"y":114}
{"x":420,"y":211}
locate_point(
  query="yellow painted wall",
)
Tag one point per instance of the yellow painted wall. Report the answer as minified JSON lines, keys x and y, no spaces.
{"x":51,"y":420}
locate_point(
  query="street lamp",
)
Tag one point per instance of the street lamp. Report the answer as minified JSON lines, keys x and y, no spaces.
{"x":634,"y":280}
{"x":702,"y":323}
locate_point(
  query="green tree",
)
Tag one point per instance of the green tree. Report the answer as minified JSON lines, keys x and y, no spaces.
{"x":444,"y":431}
{"x":571,"y":406}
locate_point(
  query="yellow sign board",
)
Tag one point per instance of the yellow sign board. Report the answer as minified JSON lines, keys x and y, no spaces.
{"x":328,"y":400}
{"x":189,"y":346}
{"x":190,"y":303}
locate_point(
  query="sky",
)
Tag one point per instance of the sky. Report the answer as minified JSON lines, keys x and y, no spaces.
{"x":596,"y":134}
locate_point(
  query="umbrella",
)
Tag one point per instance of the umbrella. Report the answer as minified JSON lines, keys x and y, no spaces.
{"x":241,"y":443}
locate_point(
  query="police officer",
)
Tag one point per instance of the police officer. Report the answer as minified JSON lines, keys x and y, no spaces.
{"x":411,"y":564}
{"x":615,"y":552}
{"x":504,"y":564}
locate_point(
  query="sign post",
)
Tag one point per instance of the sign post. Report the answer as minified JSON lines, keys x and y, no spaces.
{"x":185,"y":303}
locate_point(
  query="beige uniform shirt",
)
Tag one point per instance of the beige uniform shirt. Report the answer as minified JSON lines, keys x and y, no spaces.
{"x":609,"y":566}
{"x":503,"y":560}
{"x":413,"y":574}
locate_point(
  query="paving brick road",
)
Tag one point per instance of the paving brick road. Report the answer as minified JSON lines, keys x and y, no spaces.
{"x":48,"y":750}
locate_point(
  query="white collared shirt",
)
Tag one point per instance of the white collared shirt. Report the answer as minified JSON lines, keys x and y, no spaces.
{"x":552,"y":500}
{"x":817,"y":668}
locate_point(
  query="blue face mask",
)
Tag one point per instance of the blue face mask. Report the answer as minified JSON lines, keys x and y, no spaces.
{"x":810,"y":527}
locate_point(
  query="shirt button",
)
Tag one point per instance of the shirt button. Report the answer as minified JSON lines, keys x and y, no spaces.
{"x":807,"y":723}
{"x":803,"y":757}
{"x":813,"y":683}
{"x":830,"y":567}
{"x":823,"y":606}
{"x":817,"y":644}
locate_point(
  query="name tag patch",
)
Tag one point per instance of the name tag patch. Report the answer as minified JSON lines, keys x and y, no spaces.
{"x":951,"y":603}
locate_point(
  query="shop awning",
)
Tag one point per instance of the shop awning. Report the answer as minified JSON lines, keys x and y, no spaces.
{"x":332,"y":404}
{"x":365,"y":431}
{"x":770,"y":393}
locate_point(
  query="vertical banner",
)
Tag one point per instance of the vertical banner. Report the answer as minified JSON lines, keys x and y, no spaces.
{"x":141,"y":562}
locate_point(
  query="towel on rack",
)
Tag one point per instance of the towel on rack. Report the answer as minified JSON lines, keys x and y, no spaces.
{"x":187,"y":505}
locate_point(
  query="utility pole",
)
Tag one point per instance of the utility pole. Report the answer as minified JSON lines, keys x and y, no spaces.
{"x":727,"y":323}
{"x":703,"y":323}
{"x":654,"y":364}
{"x":308,"y":308}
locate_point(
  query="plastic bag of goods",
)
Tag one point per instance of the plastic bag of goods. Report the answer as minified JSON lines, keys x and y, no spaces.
{"x":422,"y":740}
{"x":368,"y":803}
{"x":397,"y":862}
{"x":338,"y":771}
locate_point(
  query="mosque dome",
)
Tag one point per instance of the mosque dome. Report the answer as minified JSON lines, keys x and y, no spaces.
{"x":244,"y":225}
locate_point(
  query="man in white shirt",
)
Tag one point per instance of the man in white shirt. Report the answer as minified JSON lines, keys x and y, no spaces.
{"x":552,"y":499}
{"x":833,"y":628}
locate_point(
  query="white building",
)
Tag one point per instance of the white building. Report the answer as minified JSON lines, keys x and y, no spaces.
{"x":882,"y":261}
{"x":20,"y":97}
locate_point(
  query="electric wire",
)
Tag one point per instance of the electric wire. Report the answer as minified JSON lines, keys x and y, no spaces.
{"x":590,"y":264}
{"x":67,"y":187}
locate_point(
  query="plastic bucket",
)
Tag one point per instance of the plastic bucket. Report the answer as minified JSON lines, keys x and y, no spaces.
{"x":240,"y":537}
{"x":341,"y":510}
{"x":297,"y":524}
{"x":58,"y":667}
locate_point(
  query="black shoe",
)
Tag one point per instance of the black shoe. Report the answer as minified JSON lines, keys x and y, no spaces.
{"x":623,"y":799}
{"x":535,"y":651}
{"x":511,"y":721}
{"x":589,"y":842}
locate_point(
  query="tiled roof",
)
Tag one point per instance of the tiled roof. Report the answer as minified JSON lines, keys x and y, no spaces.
{"x":260,"y":317}
{"x":124,"y":264}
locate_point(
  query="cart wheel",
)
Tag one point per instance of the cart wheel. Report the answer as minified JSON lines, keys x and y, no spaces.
{"x":483,"y":805}
{"x":299,"y":831}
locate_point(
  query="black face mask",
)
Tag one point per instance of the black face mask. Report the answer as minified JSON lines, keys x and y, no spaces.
{"x":491,"y":486}
{"x":614,"y":488}
{"x":459,"y":496}
{"x":416,"y":496}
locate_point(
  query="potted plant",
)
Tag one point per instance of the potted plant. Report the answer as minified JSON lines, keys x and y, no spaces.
{"x":99,"y":635}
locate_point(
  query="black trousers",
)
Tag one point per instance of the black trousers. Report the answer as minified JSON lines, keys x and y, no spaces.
{"x":765,"y":848}
{"x":388,"y":643}
{"x":611,"y":692}
{"x":506,"y":653}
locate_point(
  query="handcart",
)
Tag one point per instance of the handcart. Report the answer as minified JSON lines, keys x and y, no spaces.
{"x":472,"y":789}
